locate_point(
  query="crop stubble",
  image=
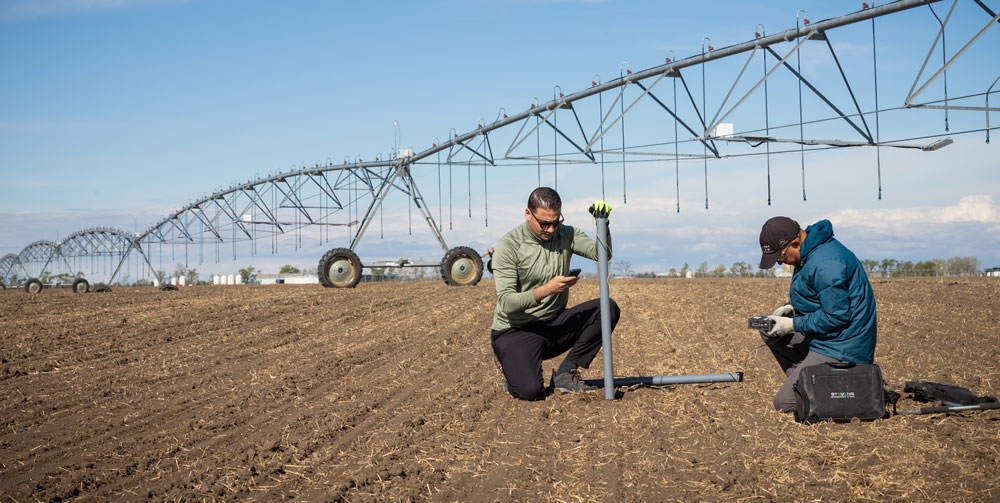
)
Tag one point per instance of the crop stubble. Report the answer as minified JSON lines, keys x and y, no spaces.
{"x":390,"y":392}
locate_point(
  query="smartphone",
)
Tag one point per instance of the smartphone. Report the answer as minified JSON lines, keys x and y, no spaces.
{"x":574,"y":272}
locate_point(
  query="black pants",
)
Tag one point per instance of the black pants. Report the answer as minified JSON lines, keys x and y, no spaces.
{"x":521,"y":350}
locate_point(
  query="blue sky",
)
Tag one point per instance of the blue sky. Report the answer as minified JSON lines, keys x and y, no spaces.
{"x":117,"y":112}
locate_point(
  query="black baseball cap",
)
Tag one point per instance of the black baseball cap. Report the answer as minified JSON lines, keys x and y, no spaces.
{"x":774,"y":237}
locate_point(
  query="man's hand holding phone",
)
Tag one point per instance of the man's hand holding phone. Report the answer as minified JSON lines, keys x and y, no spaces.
{"x":557,"y":284}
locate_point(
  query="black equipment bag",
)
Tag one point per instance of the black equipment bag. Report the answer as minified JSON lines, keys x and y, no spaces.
{"x":948,"y":394}
{"x":839,"y":392}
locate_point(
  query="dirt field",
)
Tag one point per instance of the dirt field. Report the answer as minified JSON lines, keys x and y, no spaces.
{"x":390,"y":392}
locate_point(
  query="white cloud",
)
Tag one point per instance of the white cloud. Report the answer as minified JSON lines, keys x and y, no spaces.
{"x":976,"y":208}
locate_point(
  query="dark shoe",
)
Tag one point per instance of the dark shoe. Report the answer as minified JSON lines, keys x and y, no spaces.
{"x":570,"y":382}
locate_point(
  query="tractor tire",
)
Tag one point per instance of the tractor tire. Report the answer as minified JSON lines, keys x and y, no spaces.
{"x":168,"y":288}
{"x":340,"y":268}
{"x":33,"y":286}
{"x":81,"y":286}
{"x":461,"y":266}
{"x":102,"y":288}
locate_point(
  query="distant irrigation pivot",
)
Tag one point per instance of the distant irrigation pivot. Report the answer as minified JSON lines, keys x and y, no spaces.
{"x":78,"y":252}
{"x":585,"y":127}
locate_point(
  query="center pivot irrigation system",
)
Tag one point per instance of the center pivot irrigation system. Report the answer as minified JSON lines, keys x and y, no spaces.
{"x":313,"y":202}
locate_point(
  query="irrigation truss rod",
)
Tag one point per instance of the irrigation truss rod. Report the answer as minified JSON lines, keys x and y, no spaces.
{"x":755,"y":154}
{"x":676,"y":66}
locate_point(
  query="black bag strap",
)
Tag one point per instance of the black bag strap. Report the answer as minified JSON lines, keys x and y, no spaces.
{"x":891,"y":397}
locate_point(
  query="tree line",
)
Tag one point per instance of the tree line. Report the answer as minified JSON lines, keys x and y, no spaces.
{"x":736,"y":270}
{"x":884,"y":268}
{"x":955,"y":266}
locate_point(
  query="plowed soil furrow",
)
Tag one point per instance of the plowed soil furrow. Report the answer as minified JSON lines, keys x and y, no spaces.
{"x":385,"y":432}
{"x":278,"y":413}
{"x":389,"y":392}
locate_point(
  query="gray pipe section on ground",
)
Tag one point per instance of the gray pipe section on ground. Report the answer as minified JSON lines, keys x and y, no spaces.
{"x":665,"y":380}
{"x":602,"y":272}
{"x":944,"y":408}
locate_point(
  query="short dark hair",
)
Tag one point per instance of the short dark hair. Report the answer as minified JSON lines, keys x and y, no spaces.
{"x":544,"y":197}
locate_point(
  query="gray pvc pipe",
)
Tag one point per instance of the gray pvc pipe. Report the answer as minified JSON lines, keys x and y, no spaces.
{"x":933,"y":410}
{"x":609,"y":382}
{"x":602,"y":270}
{"x":663,"y":380}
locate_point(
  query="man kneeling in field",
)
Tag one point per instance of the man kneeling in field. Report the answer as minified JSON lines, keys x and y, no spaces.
{"x":531,"y":322}
{"x":830,"y":315}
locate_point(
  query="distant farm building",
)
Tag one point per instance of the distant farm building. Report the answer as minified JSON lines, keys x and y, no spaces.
{"x":785,"y":271}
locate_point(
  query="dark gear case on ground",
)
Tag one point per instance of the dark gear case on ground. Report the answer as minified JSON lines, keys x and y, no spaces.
{"x":947,"y":394}
{"x":840,"y":392}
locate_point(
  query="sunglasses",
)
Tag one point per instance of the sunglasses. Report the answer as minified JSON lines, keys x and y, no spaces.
{"x":543,"y":224}
{"x":782,"y":258}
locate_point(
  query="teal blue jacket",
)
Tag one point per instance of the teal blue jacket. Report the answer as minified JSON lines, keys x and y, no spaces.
{"x":834,"y":303}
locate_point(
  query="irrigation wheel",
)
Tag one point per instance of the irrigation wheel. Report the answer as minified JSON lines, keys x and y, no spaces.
{"x":81,"y":286}
{"x":2,"y":287}
{"x":339,"y":268}
{"x":102,"y":288}
{"x":167,"y":287}
{"x":461,"y":266}
{"x":33,"y":286}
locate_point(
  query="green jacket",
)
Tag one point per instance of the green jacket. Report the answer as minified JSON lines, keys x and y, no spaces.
{"x":522,"y":262}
